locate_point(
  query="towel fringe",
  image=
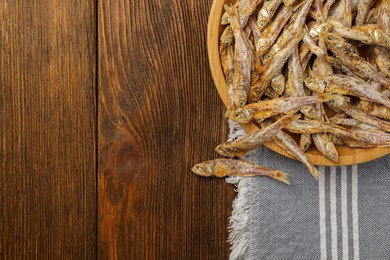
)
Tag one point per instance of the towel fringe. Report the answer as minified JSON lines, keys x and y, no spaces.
{"x":238,"y":222}
{"x":239,"y":234}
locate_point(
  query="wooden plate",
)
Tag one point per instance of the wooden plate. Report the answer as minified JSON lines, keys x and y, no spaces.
{"x":347,"y":155}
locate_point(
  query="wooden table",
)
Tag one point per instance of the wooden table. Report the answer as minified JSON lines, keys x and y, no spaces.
{"x":104,"y":107}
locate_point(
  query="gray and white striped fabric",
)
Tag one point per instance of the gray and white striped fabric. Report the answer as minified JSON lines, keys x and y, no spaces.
{"x":344,"y":215}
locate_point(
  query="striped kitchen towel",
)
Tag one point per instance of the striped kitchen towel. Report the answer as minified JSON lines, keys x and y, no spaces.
{"x":344,"y":215}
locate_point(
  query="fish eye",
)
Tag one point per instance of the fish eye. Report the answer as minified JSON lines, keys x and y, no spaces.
{"x":236,"y":114}
{"x":248,"y":113}
{"x":310,"y":81}
{"x":268,"y":56}
{"x":242,"y":103}
{"x":331,"y":102}
{"x":325,"y":84}
{"x":261,"y":23}
{"x":198,"y":168}
{"x":386,"y":41}
{"x":330,"y":38}
{"x":311,"y":112}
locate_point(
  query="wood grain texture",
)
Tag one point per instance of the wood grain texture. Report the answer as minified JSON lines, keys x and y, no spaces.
{"x":347,"y":156}
{"x":159,"y":113}
{"x":47,"y":129}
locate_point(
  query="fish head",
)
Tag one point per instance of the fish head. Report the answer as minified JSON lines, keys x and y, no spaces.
{"x":227,"y":36}
{"x":225,"y":150}
{"x":264,"y":45}
{"x":262,"y":19}
{"x":240,"y":97}
{"x":315,"y":84}
{"x":338,"y":101}
{"x":242,"y":115}
{"x":309,"y":111}
{"x":270,"y":92}
{"x":266,"y":58}
{"x":225,"y":19}
{"x":202,"y":169}
{"x":336,"y":43}
{"x":381,"y":38}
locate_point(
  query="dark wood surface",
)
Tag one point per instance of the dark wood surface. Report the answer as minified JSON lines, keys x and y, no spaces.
{"x":159,"y":113}
{"x":143,"y":113}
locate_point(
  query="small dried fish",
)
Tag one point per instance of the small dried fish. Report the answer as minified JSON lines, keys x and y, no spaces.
{"x":325,"y":145}
{"x":278,"y":84}
{"x":243,"y":60}
{"x":267,"y":13}
{"x":254,"y":139}
{"x":305,"y":142}
{"x":227,"y":61}
{"x":291,"y":30}
{"x":269,"y":35}
{"x":289,"y":145}
{"x":272,"y":69}
{"x":231,"y":167}
{"x":354,"y":123}
{"x":355,"y":63}
{"x":368,"y":33}
{"x":245,"y":10}
{"x":267,"y":108}
{"x":382,"y":56}
{"x":375,"y":109}
{"x":347,"y":85}
{"x":350,"y":142}
{"x":362,"y":10}
{"x":227,"y":37}
{"x":311,"y":44}
{"x":314,"y":127}
{"x":358,"y":114}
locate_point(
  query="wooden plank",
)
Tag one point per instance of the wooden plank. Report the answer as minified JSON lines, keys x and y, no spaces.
{"x":47,"y":129}
{"x":159,"y":113}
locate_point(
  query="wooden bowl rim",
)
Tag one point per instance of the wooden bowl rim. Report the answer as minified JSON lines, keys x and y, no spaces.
{"x":347,"y":155}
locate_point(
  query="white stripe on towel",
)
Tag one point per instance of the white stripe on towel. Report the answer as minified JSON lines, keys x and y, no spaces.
{"x":344,"y":211}
{"x":321,"y":190}
{"x":333,"y":212}
{"x":355,"y":217}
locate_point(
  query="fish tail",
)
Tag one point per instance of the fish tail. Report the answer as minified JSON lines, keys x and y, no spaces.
{"x":281,"y":176}
{"x":231,"y":10}
{"x":325,"y":97}
{"x":313,"y":170}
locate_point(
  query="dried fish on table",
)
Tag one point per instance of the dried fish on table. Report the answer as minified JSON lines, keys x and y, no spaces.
{"x":350,"y":75}
{"x":348,"y":85}
{"x":267,"y":108}
{"x":231,"y":167}
{"x":253,"y":140}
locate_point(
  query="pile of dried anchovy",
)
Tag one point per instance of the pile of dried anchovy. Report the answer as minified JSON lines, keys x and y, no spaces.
{"x":320,"y":69}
